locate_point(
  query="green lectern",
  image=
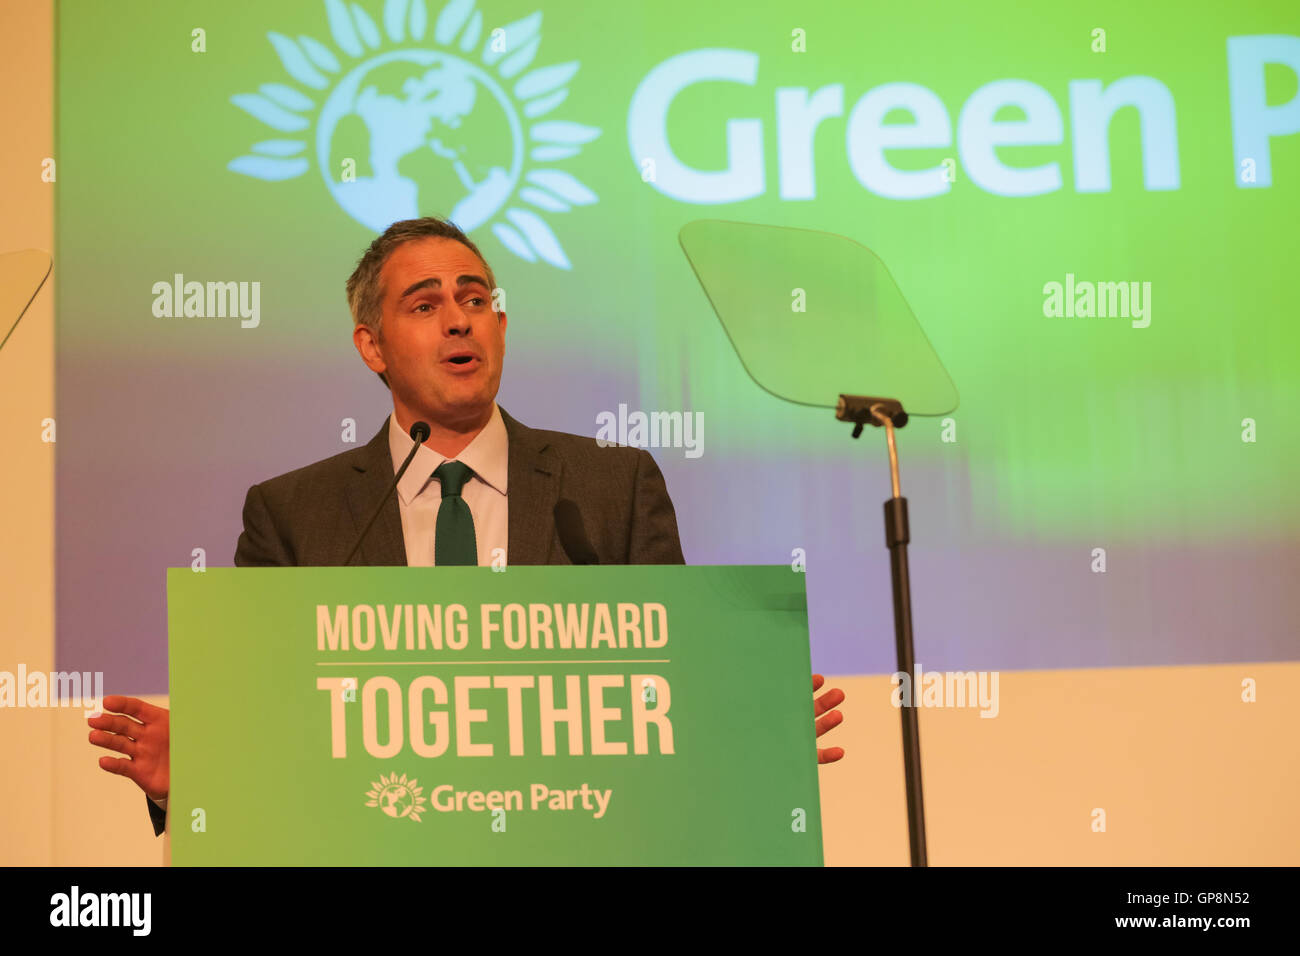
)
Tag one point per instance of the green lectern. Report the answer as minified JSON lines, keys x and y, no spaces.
{"x":531,"y":716}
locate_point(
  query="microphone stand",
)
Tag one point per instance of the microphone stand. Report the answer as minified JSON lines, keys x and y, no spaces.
{"x":420,"y":433}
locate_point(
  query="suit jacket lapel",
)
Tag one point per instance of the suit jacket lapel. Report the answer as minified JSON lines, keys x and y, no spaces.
{"x":533,"y":487}
{"x":384,"y":544}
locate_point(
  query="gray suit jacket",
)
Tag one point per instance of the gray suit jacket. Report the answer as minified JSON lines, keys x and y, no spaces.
{"x":313,"y":516}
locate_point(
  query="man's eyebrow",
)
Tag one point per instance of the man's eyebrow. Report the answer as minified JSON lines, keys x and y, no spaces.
{"x":433,"y":282}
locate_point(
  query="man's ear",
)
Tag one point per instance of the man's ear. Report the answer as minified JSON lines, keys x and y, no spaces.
{"x":501,"y":317}
{"x":368,"y":349}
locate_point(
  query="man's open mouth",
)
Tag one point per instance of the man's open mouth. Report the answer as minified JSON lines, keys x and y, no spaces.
{"x":463,"y":360}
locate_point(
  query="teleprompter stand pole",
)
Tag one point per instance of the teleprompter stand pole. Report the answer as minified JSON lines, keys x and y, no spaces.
{"x":863,"y":410}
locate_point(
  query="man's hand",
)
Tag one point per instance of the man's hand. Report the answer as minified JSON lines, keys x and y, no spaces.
{"x":832,"y":698}
{"x":145,"y":741}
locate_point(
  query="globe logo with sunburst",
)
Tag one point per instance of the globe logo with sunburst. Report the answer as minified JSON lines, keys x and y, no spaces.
{"x":402,"y":125}
{"x":397,"y":796}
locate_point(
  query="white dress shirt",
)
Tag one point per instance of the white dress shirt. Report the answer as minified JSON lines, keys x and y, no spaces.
{"x":419,"y":494}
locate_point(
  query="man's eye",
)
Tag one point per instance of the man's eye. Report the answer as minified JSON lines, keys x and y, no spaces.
{"x":478,"y":299}
{"x":423,"y":305}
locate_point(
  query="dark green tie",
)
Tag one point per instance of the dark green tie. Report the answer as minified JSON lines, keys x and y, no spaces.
{"x":454,"y":541}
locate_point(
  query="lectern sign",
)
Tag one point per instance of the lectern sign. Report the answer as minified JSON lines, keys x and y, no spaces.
{"x":537,"y":715}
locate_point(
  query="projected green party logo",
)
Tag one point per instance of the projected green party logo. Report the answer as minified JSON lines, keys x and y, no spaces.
{"x":400,"y":122}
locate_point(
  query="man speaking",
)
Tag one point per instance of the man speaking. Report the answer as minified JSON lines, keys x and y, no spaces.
{"x":482,"y":488}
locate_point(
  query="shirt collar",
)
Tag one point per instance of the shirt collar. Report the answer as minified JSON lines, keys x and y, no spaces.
{"x":487,"y":455}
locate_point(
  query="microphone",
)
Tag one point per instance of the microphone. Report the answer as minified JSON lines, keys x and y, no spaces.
{"x":420,"y":433}
{"x":573,"y":536}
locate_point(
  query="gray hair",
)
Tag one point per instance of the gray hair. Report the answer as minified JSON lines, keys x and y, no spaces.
{"x":366,"y":295}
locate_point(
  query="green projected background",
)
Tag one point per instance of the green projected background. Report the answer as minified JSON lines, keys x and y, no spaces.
{"x":1011,"y":169}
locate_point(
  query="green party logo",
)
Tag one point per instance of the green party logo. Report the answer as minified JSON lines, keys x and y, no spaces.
{"x":397,"y":796}
{"x":399,"y":122}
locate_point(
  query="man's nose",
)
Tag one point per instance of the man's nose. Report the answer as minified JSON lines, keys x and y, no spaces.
{"x":457,"y":321}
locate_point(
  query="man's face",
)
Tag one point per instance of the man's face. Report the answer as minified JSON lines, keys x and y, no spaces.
{"x":440,"y":344}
